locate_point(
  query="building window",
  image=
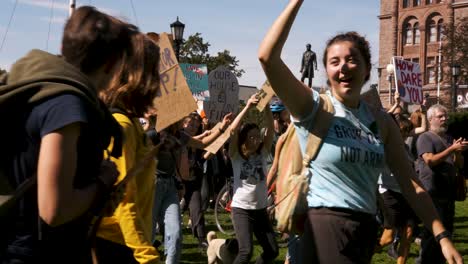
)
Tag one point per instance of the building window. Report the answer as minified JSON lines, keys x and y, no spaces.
{"x":428,"y":2}
{"x":416,"y":33}
{"x":408,"y":34}
{"x":416,"y":2}
{"x":440,"y":30}
{"x":405,"y":3}
{"x":432,"y":31}
{"x":431,"y":75}
{"x":415,"y":60}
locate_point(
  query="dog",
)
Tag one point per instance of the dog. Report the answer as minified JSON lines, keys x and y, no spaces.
{"x":221,"y":251}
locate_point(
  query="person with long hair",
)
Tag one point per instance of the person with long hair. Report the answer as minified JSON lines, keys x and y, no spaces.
{"x":60,"y":132}
{"x":125,"y":237}
{"x":342,"y":203}
{"x":249,"y":150}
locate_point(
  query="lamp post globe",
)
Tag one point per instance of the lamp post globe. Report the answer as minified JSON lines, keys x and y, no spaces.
{"x":177,"y":30}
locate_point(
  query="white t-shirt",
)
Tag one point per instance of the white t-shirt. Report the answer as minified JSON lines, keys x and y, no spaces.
{"x":250,"y":189}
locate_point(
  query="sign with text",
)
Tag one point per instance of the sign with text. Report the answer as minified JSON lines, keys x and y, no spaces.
{"x":408,"y":81}
{"x":219,"y":141}
{"x":197,"y":79}
{"x":264,"y":96}
{"x":224,"y":94}
{"x":174,"y":100}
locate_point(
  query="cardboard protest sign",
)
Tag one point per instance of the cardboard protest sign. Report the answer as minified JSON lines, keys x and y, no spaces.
{"x":224,"y":94}
{"x":197,"y":79}
{"x":408,"y":81}
{"x":219,"y":141}
{"x":264,"y":96}
{"x":174,"y":100}
{"x":372,"y":98}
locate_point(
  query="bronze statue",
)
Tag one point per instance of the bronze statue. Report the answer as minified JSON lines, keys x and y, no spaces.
{"x":309,"y":62}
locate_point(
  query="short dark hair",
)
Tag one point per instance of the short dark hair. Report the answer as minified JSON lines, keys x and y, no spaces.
{"x":91,"y":39}
{"x":359,"y":42}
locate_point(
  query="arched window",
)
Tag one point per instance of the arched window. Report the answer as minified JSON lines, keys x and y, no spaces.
{"x":407,"y":34}
{"x":416,"y":33}
{"x":440,"y":30}
{"x":432,"y":32}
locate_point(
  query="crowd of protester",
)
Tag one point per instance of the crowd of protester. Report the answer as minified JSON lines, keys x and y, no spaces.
{"x":78,"y":135}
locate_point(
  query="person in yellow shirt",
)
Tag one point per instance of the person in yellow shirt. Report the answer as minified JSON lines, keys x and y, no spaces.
{"x":125,"y":237}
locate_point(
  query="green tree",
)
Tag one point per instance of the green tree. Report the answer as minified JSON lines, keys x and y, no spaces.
{"x":194,"y":50}
{"x":455,"y":47}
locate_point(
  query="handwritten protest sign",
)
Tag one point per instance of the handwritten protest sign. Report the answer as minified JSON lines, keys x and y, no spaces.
{"x":219,"y":141}
{"x":408,"y":81}
{"x":174,"y":100}
{"x":264,"y":96}
{"x":224,"y":94}
{"x":197,"y":79}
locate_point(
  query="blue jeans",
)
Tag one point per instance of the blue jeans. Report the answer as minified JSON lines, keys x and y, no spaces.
{"x":166,"y":213}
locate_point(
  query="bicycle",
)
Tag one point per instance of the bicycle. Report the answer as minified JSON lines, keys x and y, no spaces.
{"x":222,"y":210}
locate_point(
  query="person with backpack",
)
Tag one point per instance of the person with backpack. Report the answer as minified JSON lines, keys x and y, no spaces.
{"x":125,"y":237}
{"x":249,"y":151}
{"x":342,"y":177}
{"x":58,"y":131}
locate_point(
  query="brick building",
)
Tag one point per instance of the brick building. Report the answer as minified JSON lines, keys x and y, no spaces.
{"x":413,"y":30}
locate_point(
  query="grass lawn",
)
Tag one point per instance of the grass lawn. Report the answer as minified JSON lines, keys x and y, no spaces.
{"x":191,"y":253}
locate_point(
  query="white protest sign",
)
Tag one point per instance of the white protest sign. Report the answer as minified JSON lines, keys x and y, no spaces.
{"x":174,"y":100}
{"x":408,"y":81}
{"x":224,"y":94}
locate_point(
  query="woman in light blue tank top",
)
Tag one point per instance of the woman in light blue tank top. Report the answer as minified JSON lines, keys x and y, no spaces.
{"x":342,"y":191}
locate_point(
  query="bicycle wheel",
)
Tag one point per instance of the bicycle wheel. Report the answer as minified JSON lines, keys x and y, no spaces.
{"x":222,"y":211}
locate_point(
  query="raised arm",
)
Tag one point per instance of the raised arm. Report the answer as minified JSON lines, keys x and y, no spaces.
{"x":236,"y":124}
{"x":411,"y":188}
{"x":202,"y":142}
{"x":294,"y":94}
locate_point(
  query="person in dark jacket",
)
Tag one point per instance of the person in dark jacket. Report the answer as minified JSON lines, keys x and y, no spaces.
{"x":59,"y":129}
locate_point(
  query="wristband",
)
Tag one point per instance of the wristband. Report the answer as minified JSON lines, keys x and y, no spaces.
{"x":444,"y":234}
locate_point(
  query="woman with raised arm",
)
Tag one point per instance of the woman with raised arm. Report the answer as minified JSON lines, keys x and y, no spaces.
{"x":249,"y":151}
{"x":342,"y":190}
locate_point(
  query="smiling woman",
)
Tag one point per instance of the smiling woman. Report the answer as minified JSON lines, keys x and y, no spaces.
{"x":342,"y":203}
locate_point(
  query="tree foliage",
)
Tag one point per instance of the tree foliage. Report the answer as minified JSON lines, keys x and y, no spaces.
{"x":456,"y":45}
{"x":194,"y":50}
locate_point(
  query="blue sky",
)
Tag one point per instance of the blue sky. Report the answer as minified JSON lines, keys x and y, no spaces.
{"x":236,"y":25}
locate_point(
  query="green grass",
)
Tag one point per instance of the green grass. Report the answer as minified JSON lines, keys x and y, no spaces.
{"x":191,"y":254}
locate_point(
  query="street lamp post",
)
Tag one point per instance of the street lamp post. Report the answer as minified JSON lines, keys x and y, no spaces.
{"x":390,"y":70}
{"x":177,"y":29}
{"x":455,"y":74}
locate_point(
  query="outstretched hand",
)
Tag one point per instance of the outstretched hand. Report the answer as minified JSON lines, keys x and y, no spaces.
{"x":253,"y":100}
{"x":459,"y":145}
{"x":227,"y":119}
{"x":450,"y":253}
